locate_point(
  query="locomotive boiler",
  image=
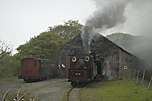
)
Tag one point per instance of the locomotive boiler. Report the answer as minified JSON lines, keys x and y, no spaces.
{"x":84,"y":68}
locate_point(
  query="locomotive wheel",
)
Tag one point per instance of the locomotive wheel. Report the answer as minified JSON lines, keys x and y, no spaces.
{"x":78,"y":84}
{"x":27,"y":80}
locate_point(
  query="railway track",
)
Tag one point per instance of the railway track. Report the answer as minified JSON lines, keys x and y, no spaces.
{"x":68,"y":93}
{"x":73,"y":94}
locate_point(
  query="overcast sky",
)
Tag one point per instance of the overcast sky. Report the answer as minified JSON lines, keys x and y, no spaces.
{"x":22,"y":19}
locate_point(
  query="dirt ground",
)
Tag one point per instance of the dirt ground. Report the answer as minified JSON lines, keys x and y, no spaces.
{"x":50,"y":90}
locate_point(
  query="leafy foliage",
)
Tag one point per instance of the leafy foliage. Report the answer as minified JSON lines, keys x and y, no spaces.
{"x":9,"y":67}
{"x":8,"y":64}
{"x":17,"y":96}
{"x":47,"y":44}
{"x":68,"y":31}
{"x":4,"y":49}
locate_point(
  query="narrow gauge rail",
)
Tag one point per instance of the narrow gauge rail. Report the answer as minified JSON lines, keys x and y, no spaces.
{"x":68,"y":94}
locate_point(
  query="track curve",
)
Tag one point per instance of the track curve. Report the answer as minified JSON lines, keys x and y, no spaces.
{"x":73,"y":94}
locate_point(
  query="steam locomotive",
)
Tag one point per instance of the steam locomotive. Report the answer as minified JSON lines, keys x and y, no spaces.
{"x":84,"y":68}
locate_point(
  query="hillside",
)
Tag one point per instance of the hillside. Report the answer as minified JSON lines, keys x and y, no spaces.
{"x":137,"y":45}
{"x":125,"y":41}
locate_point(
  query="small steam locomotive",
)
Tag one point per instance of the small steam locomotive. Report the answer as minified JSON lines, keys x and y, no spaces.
{"x":84,"y":68}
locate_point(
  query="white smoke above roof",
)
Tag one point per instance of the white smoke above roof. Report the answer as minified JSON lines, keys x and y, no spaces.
{"x":108,"y":14}
{"x":129,"y":16}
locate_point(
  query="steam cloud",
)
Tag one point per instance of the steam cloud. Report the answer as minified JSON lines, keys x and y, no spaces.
{"x":139,"y":16}
{"x":128,"y":16}
{"x":108,"y":14}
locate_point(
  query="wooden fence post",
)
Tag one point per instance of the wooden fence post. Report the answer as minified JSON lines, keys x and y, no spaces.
{"x":143,"y":76}
{"x":137,"y":78}
{"x":150,"y":82}
{"x":131,"y":72}
{"x":134,"y":74}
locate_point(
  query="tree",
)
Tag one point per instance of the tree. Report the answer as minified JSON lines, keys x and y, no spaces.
{"x":8,"y":64}
{"x":47,"y":44}
{"x":68,"y":30}
{"x":4,"y":50}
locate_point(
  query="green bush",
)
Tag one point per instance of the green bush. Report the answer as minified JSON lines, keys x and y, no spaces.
{"x":17,"y":96}
{"x":9,"y":66}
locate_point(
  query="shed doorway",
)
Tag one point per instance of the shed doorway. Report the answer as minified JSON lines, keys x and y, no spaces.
{"x":99,"y":67}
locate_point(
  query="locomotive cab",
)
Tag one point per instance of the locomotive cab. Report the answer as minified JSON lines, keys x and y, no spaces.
{"x":83,"y":68}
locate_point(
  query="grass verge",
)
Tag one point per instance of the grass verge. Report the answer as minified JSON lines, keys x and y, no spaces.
{"x":120,"y":90}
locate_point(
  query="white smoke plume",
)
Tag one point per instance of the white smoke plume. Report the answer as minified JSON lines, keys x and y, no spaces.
{"x":108,"y":14}
{"x":138,"y":22}
{"x":128,"y":16}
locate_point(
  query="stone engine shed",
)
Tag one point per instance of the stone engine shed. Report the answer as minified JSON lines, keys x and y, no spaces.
{"x":116,"y":61}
